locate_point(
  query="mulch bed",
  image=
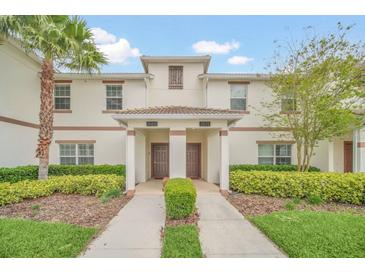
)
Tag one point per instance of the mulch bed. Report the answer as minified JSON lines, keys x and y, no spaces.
{"x":75,"y":209}
{"x":253,"y":205}
{"x":192,"y":219}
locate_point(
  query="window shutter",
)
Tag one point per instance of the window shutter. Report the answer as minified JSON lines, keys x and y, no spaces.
{"x":175,"y":77}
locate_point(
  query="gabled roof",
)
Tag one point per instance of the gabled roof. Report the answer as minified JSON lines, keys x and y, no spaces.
{"x":177,"y":113}
{"x":205,"y":59}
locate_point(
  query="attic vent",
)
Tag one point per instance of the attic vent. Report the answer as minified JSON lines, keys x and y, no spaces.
{"x":204,"y":123}
{"x":152,"y":123}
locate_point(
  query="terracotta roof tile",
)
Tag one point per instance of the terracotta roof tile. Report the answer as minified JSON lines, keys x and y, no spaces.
{"x":178,"y":110}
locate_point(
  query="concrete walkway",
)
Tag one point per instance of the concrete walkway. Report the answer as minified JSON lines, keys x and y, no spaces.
{"x":135,"y":231}
{"x":224,"y":233}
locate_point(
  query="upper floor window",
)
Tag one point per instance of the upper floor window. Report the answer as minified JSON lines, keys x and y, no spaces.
{"x":239,"y":96}
{"x":76,"y":154}
{"x":62,"y":97}
{"x":175,"y":77}
{"x":274,"y":154}
{"x":114,"y":97}
{"x":288,"y":103}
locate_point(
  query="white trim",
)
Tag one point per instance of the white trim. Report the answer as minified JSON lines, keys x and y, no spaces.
{"x":205,"y":59}
{"x":103,"y":76}
{"x":235,"y":76}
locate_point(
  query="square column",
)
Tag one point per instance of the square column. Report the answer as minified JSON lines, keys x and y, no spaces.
{"x":359,"y":150}
{"x":130,"y":164}
{"x":224,"y":161}
{"x":177,"y":153}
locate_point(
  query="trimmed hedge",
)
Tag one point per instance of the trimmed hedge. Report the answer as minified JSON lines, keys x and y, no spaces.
{"x":82,"y":184}
{"x":16,"y":174}
{"x":339,"y":187}
{"x":180,"y":197}
{"x":270,"y":168}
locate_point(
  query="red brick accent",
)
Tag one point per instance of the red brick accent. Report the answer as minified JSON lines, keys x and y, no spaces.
{"x":223,"y":133}
{"x":224,"y":193}
{"x":17,"y":122}
{"x":131,"y":133}
{"x":32,"y":125}
{"x":130,"y":193}
{"x":62,"y":111}
{"x":75,"y":141}
{"x":238,"y":82}
{"x":113,"y":82}
{"x":63,"y":81}
{"x":177,"y":133}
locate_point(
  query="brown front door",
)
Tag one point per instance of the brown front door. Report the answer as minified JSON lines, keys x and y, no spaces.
{"x":347,"y":156}
{"x":193,"y":160}
{"x":160,"y":160}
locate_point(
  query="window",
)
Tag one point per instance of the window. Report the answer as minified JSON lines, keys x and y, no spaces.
{"x":62,"y":97}
{"x":114,"y":97}
{"x":76,"y":154}
{"x":239,"y":96}
{"x":274,"y":154}
{"x":175,"y":77}
{"x":288,"y":103}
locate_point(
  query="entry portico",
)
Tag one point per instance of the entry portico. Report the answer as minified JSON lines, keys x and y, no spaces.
{"x":177,"y":141}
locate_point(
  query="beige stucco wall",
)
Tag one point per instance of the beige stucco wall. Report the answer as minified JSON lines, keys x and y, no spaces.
{"x":191,"y":94}
{"x":88,"y":101}
{"x":19,"y":85}
{"x":19,"y":99}
{"x":218,"y":96}
{"x":109,"y":147}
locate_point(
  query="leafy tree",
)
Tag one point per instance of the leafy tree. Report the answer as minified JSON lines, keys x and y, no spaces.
{"x":317,"y":88}
{"x":62,"y":42}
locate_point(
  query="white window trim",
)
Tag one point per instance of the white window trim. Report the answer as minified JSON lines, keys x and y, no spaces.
{"x":113,"y":97}
{"x":76,"y":152}
{"x":57,"y":96}
{"x":274,"y":155}
{"x":245,"y":95}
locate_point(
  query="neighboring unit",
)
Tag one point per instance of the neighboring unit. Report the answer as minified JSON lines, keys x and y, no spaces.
{"x":173,"y":120}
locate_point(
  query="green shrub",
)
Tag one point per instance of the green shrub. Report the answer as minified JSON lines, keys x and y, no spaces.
{"x":113,"y":193}
{"x":269,"y":168}
{"x":180,"y":197}
{"x":82,"y":184}
{"x":290,"y":205}
{"x":314,"y":199}
{"x":16,"y":174}
{"x":340,"y":187}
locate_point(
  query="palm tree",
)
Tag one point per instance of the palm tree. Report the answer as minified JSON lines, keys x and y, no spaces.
{"x":60,"y":41}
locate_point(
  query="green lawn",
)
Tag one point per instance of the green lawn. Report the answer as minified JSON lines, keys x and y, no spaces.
{"x":31,"y":239}
{"x":181,"y":242}
{"x":310,"y":234}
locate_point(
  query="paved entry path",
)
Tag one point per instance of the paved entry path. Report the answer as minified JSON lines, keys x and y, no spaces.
{"x":224,"y":232}
{"x":135,"y":231}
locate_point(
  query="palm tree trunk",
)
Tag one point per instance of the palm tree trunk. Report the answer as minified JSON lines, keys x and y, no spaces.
{"x":45,"y":118}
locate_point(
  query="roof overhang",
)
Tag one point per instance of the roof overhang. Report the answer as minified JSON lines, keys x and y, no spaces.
{"x":16,"y":44}
{"x":205,"y":59}
{"x":103,"y":76}
{"x":235,"y":76}
{"x":124,"y":118}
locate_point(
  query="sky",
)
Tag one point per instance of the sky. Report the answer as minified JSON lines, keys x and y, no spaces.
{"x":236,"y":43}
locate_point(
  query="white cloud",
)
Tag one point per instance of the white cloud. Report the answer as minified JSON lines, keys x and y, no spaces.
{"x":117,"y":51}
{"x":102,"y":36}
{"x":212,"y":47}
{"x":239,"y":60}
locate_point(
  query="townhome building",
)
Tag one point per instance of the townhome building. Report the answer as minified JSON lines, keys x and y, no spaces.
{"x":173,"y":119}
